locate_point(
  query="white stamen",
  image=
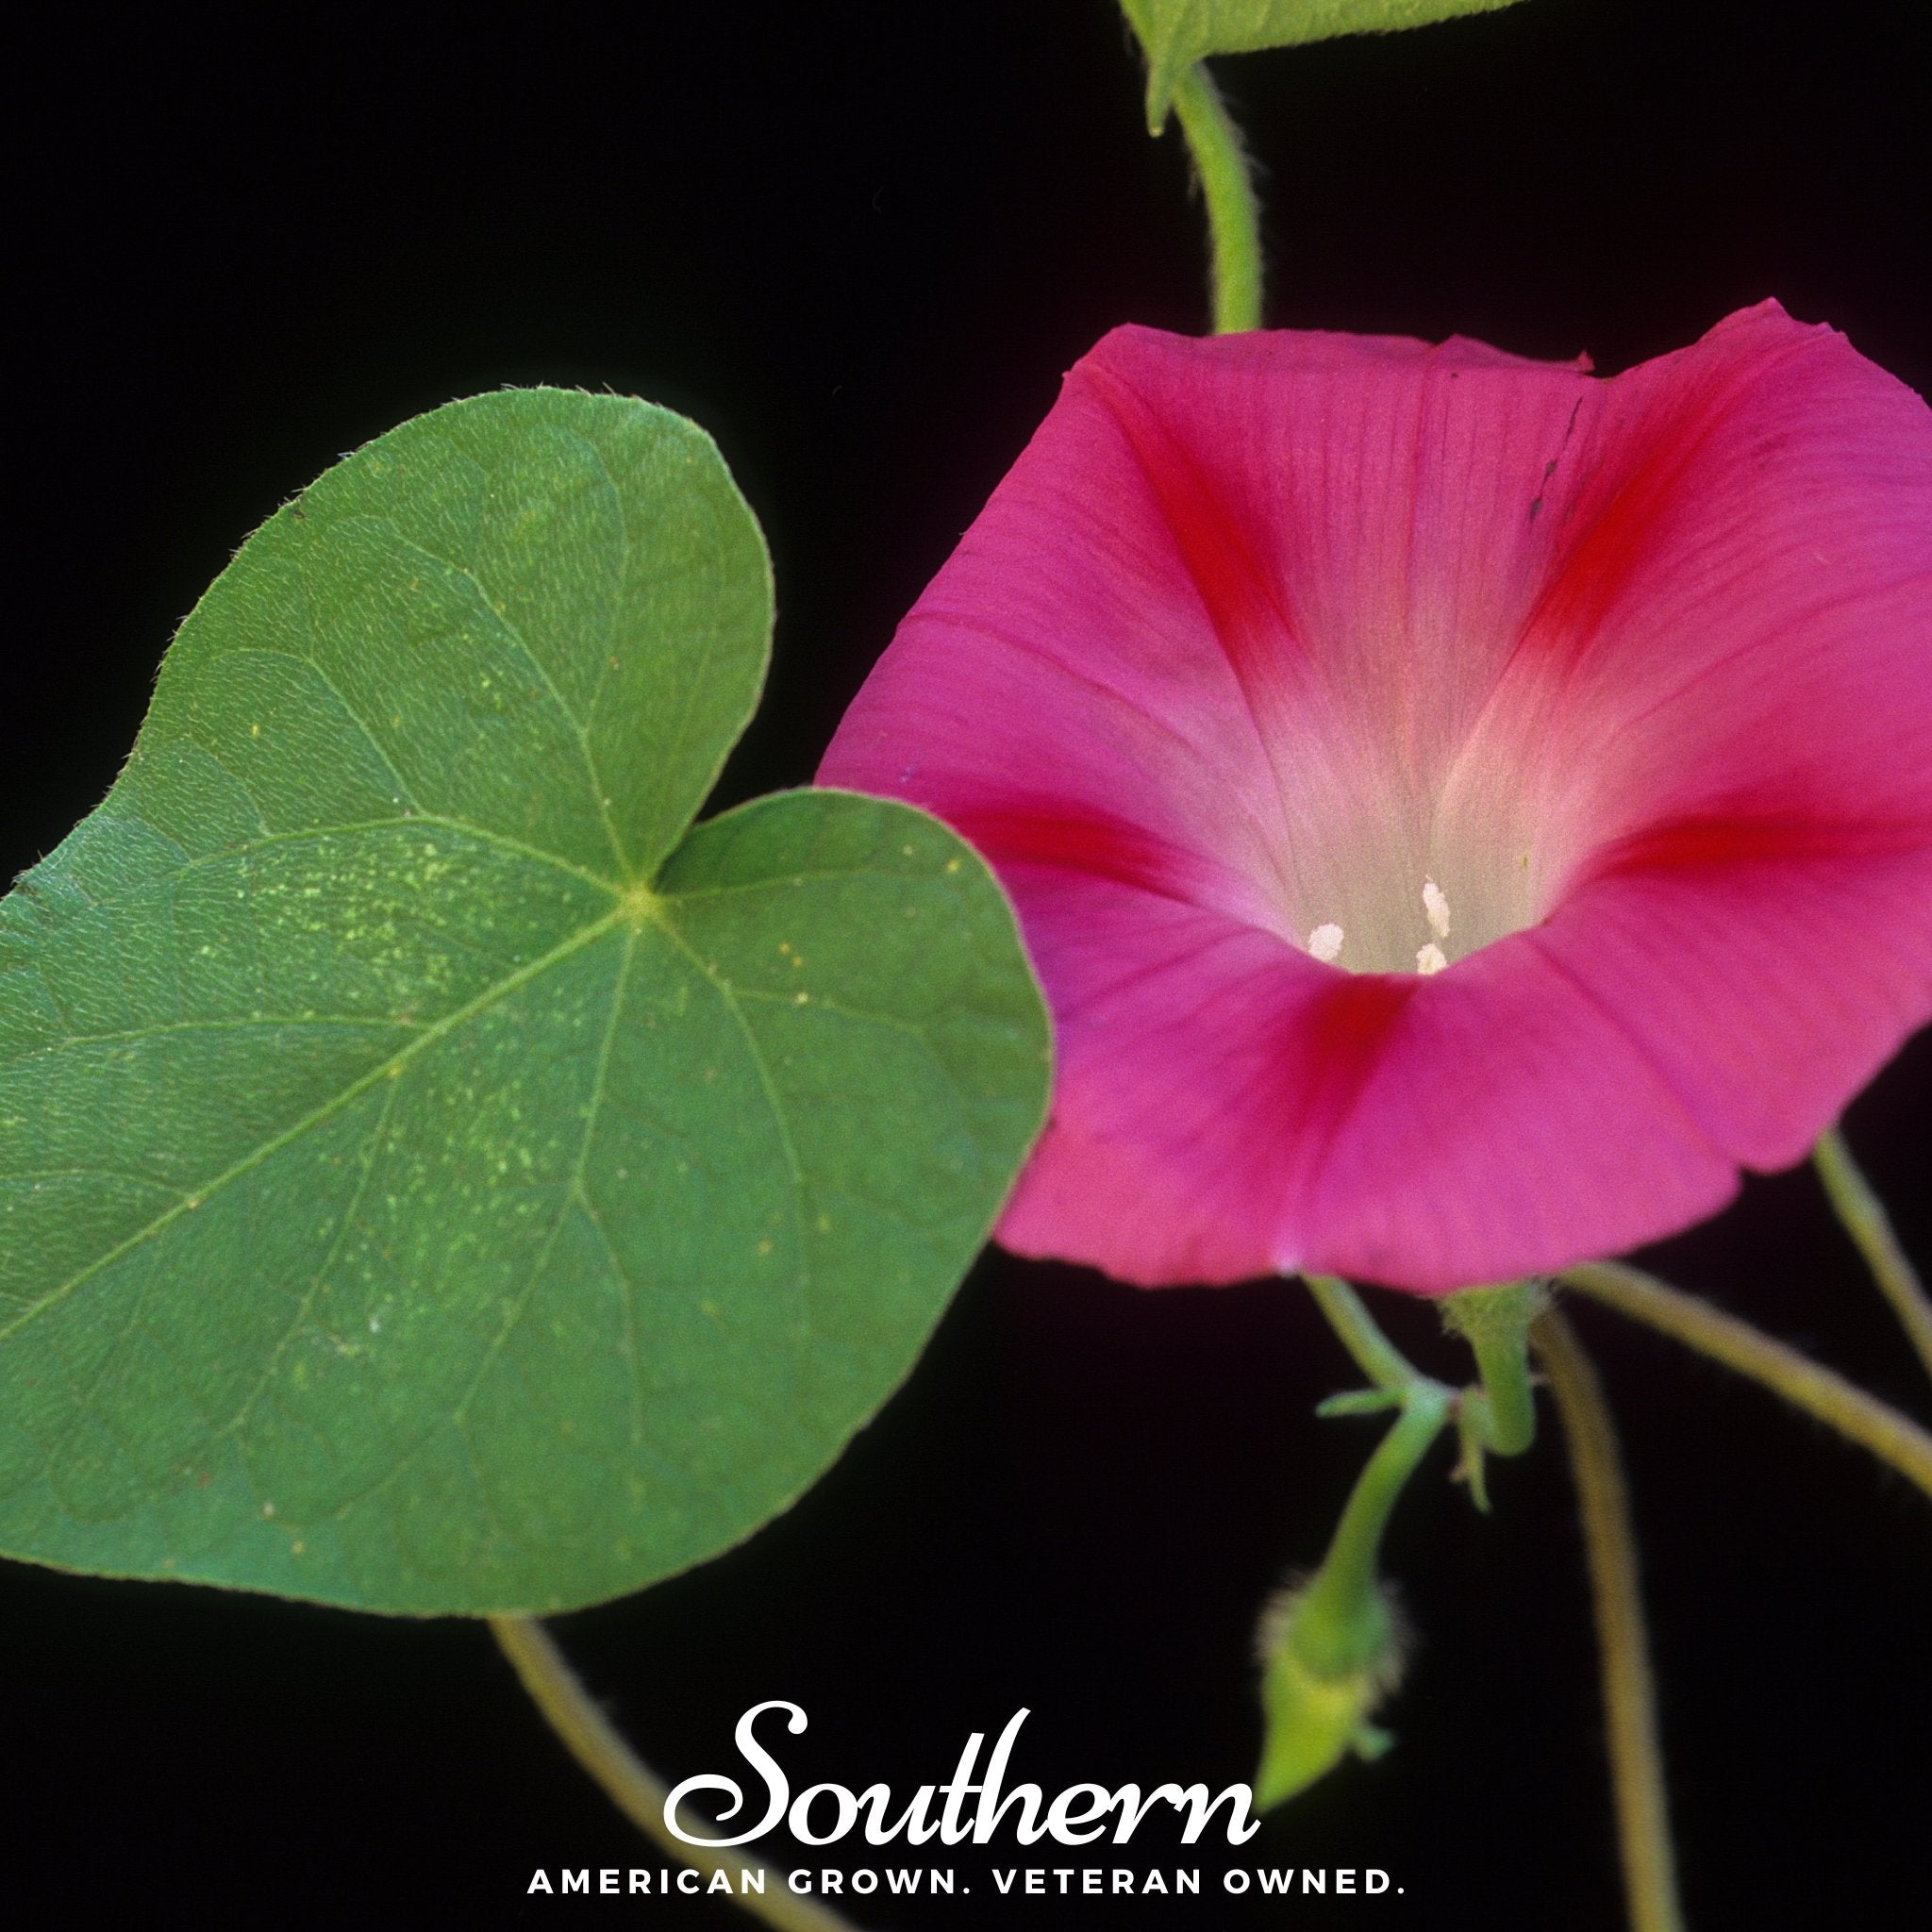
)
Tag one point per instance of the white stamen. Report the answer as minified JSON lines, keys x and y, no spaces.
{"x":1430,"y":960}
{"x":1324,"y":942}
{"x":1435,"y":903}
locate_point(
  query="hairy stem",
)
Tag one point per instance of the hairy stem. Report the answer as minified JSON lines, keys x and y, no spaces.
{"x":633,"y":1787}
{"x":1866,"y":1221}
{"x":1234,"y":217}
{"x":1637,"y":1770}
{"x":1331,"y":1648}
{"x":1894,"y":1438}
{"x":1347,"y":1575}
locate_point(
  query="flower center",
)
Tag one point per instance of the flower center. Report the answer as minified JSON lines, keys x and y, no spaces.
{"x":1326,"y":942}
{"x":1383,"y":902}
{"x":1403,"y":847}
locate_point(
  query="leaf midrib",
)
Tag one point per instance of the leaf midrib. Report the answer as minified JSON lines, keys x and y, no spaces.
{"x":431,"y":1034}
{"x":655,"y":909}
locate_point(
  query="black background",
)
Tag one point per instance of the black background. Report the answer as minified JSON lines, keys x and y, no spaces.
{"x":860,"y":245}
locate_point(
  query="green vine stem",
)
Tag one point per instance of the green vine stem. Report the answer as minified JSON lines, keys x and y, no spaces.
{"x":1875,"y":1426}
{"x":1375,"y":1355}
{"x":1331,"y":1647}
{"x":1637,"y":1772}
{"x":1234,"y":217}
{"x":1347,"y":1575}
{"x":632,"y":1786}
{"x":1866,"y":1221}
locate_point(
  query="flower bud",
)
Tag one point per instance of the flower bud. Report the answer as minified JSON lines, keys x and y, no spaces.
{"x":1328,"y":1658}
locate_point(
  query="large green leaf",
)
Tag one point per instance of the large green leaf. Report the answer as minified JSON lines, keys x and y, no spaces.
{"x":431,"y":1178}
{"x":1176,"y":33}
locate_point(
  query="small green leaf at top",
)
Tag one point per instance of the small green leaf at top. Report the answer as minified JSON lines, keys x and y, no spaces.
{"x":1176,"y":33}
{"x":435,"y":1177}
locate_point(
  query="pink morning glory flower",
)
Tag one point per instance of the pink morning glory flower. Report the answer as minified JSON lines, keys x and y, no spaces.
{"x":1462,"y":810}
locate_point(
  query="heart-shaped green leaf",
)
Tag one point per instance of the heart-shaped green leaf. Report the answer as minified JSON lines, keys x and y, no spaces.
{"x":432,"y":1178}
{"x":1176,"y":33}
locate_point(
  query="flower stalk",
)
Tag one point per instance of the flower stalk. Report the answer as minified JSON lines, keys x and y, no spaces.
{"x":1869,"y":1226}
{"x":1331,"y":1650}
{"x":633,"y":1787}
{"x":1821,"y":1392}
{"x":1385,"y":1365}
{"x":1637,"y":1772}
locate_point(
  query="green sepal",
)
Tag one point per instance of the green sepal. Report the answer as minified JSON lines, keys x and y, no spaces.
{"x":1472,"y":1427}
{"x":1359,"y":1401}
{"x":1371,"y":1742}
{"x":1499,"y":1416}
{"x":1325,"y":1668}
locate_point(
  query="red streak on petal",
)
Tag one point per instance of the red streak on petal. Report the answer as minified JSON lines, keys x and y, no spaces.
{"x":1339,"y":1039}
{"x":1221,"y":557}
{"x":1625,"y":519}
{"x":1069,"y":840}
{"x":1704,"y":843}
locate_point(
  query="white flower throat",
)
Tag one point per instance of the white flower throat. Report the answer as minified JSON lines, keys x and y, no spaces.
{"x":1376,"y":868}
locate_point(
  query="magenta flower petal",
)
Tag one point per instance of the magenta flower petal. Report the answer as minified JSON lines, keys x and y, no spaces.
{"x":1462,"y":811}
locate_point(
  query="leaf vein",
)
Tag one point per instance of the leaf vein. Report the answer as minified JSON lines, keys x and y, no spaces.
{"x":573,"y":1189}
{"x":373,"y":1150}
{"x":577,"y":725}
{"x":390,"y":1068}
{"x":728,"y":994}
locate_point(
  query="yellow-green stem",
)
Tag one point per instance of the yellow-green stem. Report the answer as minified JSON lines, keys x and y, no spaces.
{"x":632,"y":1786}
{"x":1875,"y":1426}
{"x":1869,"y":1226}
{"x":1637,"y":1768}
{"x":1234,"y":218}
